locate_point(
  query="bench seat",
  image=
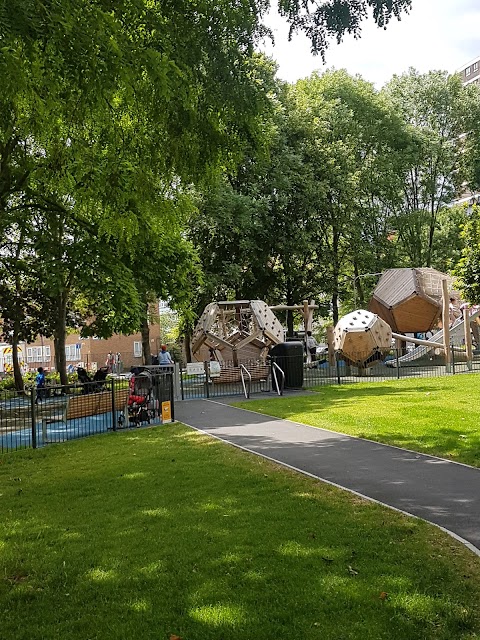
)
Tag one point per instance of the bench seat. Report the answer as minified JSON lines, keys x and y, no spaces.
{"x":84,"y":406}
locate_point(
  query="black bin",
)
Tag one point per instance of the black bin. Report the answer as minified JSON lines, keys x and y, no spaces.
{"x":289,"y":357}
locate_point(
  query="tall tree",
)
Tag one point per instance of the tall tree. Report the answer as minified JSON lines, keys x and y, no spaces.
{"x":351,"y":138}
{"x":445,"y":119}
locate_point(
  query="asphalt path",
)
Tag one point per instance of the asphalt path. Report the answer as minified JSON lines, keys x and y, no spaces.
{"x":442,"y":492}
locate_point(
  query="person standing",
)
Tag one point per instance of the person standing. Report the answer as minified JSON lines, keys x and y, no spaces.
{"x":164,"y":357}
{"x":110,"y":361}
{"x":40,"y":382}
{"x":311,"y":347}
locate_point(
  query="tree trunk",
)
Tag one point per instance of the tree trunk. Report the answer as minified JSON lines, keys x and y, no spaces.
{"x":145,"y":331}
{"x":290,"y":318}
{"x":335,"y":307}
{"x":17,"y":373}
{"x":188,"y":344}
{"x":59,"y":338}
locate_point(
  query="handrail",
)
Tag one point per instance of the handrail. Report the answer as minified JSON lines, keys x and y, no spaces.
{"x":242,"y":369}
{"x":274,"y":367}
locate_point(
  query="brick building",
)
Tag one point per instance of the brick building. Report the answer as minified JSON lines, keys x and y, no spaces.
{"x":91,"y":353}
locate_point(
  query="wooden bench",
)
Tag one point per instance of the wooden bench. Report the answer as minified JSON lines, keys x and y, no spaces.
{"x":83,"y":406}
{"x":233,"y":374}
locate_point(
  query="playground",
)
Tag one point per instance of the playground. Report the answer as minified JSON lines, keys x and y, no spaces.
{"x":416,"y":325}
{"x":169,"y":532}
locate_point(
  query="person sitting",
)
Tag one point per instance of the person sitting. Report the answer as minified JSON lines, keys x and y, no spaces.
{"x":454,"y":312}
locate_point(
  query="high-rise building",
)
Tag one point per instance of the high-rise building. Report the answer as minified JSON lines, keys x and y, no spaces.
{"x":470,"y":72}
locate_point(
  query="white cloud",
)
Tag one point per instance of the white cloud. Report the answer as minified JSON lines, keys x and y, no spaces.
{"x":437,"y":34}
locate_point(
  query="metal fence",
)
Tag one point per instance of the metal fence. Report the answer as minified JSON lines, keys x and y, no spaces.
{"x":255,"y":376}
{"x":224,"y":379}
{"x":37,"y":417}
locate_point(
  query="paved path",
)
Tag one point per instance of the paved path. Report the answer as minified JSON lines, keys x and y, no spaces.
{"x":437,"y":490}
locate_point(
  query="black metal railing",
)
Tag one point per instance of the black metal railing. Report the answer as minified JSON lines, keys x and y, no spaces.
{"x":216,"y":379}
{"x":40,"y":416}
{"x":201,"y":380}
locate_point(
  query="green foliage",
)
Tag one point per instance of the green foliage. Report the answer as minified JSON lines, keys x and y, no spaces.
{"x":439,"y":166}
{"x":322,"y":21}
{"x":467,"y":270}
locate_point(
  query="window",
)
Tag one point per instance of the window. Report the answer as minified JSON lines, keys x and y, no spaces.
{"x":468,"y":71}
{"x":34,"y":354}
{"x":475,"y":66}
{"x":72,"y":352}
{"x":137,"y":349}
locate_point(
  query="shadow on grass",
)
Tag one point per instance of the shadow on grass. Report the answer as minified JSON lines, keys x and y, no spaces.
{"x":170,"y":532}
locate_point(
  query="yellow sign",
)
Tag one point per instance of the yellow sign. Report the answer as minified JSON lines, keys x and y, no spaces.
{"x":166,"y":411}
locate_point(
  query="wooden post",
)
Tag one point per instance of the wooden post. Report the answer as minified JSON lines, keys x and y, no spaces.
{"x":446,"y":326}
{"x":468,"y":337}
{"x":306,"y":328}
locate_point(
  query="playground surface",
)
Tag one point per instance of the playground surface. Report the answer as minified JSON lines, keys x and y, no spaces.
{"x":444,"y":493}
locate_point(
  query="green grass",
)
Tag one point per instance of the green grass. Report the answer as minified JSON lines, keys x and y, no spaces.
{"x":165,"y":531}
{"x":439,"y":416}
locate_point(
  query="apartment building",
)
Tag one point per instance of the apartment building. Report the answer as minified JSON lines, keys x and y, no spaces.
{"x":91,"y":353}
{"x":470,"y":72}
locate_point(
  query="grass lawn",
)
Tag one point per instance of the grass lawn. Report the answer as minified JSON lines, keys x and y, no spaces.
{"x":164,"y":532}
{"x":439,"y":416}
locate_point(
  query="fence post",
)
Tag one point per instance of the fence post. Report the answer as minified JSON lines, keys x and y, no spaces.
{"x":172,"y":399}
{"x":114,"y":422}
{"x":398,"y":364}
{"x":453,"y":359}
{"x":182,"y":392}
{"x":33,"y":391}
{"x":337,"y":368}
{"x":207,"y":372}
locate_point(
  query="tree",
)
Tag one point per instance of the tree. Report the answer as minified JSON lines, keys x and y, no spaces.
{"x":323,"y":20}
{"x":106,"y":109}
{"x":467,"y":270}
{"x":444,"y":118}
{"x":350,"y":138}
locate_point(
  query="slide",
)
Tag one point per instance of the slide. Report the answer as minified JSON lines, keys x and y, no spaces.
{"x":457,"y":331}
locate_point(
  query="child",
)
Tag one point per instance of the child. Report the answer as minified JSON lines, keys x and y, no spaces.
{"x":40,"y":381}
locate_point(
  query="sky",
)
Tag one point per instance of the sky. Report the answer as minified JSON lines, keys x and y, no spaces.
{"x":436,"y":34}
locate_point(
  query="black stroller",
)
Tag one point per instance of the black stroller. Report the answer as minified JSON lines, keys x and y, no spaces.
{"x":140,"y":401}
{"x":89,"y":385}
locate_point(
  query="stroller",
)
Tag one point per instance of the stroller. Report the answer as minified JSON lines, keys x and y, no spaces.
{"x":89,"y":385}
{"x":140,"y":402}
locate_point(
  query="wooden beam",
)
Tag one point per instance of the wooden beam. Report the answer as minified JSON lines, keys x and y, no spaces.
{"x":295,"y":307}
{"x":468,"y":337}
{"x":446,"y":325}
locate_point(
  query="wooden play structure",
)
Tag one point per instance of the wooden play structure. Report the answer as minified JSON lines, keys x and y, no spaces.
{"x":234,"y":331}
{"x":410,"y":300}
{"x":239,"y":333}
{"x":361,"y":338}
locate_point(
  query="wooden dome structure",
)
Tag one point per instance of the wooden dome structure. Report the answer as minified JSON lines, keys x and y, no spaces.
{"x":235,"y":331}
{"x":362,"y":338}
{"x":410,"y":300}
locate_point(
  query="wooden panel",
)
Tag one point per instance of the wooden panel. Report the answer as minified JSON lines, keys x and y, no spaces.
{"x":95,"y":403}
{"x":382,"y":312}
{"x":415,"y":315}
{"x":82,"y":406}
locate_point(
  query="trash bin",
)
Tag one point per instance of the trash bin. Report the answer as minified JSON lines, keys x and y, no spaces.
{"x":289,"y":357}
